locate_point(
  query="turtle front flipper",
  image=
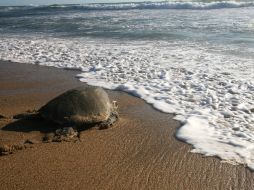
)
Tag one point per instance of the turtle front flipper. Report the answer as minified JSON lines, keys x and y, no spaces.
{"x":112,"y":119}
{"x":66,"y":134}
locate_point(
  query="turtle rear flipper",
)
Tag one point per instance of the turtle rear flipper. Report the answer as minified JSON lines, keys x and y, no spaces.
{"x":5,"y":118}
{"x":2,"y":117}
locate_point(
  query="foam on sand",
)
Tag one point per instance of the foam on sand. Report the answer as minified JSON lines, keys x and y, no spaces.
{"x":210,"y":92}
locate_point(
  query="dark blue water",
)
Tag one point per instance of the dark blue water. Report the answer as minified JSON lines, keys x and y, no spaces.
{"x":221,"y":22}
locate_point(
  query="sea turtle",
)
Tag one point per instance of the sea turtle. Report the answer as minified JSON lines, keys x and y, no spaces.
{"x":84,"y":106}
{"x":81,"y":106}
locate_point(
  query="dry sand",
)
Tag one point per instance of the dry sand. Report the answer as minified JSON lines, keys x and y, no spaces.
{"x":139,"y":152}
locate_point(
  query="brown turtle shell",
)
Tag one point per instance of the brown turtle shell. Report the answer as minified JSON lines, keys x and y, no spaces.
{"x":78,"y":106}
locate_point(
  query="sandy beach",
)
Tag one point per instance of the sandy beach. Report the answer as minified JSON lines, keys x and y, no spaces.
{"x":138,"y":152}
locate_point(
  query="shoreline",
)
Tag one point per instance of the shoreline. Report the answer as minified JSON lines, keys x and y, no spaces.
{"x":139,"y":152}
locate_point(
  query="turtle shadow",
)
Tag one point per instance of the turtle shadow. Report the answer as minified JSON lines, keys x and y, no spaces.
{"x":30,"y":125}
{"x":49,"y":132}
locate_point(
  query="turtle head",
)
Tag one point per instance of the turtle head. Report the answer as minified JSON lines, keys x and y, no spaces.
{"x":114,"y":105}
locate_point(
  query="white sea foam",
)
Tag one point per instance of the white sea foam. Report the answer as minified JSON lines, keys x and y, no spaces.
{"x":196,"y":5}
{"x":211,"y":92}
{"x":170,"y":5}
{"x":191,"y":5}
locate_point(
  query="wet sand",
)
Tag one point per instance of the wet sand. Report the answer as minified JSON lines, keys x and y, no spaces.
{"x":139,"y":152}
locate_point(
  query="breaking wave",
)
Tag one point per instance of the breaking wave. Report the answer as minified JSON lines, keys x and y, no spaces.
{"x":140,"y":5}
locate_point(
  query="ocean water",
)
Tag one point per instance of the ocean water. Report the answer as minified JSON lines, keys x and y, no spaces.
{"x":193,"y":59}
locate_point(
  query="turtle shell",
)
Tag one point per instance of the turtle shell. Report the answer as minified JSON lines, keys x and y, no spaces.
{"x":78,"y":106}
